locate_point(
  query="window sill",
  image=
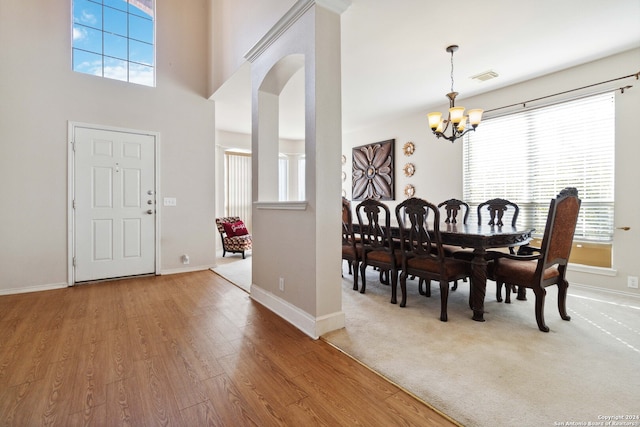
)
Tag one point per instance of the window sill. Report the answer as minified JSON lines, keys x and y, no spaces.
{"x":581,"y":268}
{"x":283,"y":206}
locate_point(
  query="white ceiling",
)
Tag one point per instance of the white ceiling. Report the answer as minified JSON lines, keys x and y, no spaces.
{"x":394,"y":60}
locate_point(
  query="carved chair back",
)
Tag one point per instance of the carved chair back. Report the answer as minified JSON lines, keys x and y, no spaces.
{"x":497,"y":208}
{"x":376,"y":243}
{"x":374,"y":219}
{"x":423,"y":255}
{"x":348,"y":236}
{"x":452,"y":208}
{"x":414,"y":216}
{"x":549,"y":265}
{"x":561,"y":225}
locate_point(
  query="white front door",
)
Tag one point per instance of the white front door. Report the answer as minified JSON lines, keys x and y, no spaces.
{"x":114,"y":215}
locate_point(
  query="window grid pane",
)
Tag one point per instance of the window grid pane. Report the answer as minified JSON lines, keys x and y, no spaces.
{"x":529,"y":157}
{"x":109,"y":41}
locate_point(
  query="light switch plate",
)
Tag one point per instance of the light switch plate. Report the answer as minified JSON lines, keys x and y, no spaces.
{"x":170,"y":201}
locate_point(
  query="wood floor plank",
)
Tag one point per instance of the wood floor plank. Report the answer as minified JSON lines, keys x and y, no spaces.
{"x":34,"y":358}
{"x":410,"y":411}
{"x":199,"y":349}
{"x":183,"y":350}
{"x":123,"y":405}
{"x":157,"y":396}
{"x":181,"y":376}
{"x":254,"y":371}
{"x":202,"y":414}
{"x":89,"y":388}
{"x":49,"y":401}
{"x":95,"y":416}
{"x":14,"y":407}
{"x":144,"y":343}
{"x":229,"y":403}
{"x":119,"y":355}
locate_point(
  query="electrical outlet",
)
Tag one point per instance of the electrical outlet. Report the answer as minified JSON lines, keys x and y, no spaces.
{"x":185,"y":259}
{"x":281,"y":284}
{"x":632,"y":282}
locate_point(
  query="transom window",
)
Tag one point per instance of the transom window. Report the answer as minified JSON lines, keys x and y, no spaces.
{"x":528,"y":157}
{"x":115,"y":39}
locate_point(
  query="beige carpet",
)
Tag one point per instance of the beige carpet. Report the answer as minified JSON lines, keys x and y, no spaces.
{"x":235,"y":269}
{"x":503,"y":372}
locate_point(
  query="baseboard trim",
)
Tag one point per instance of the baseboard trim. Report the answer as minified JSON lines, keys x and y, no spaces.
{"x":47,"y":287}
{"x":605,"y":290}
{"x":185,"y":269}
{"x":314,"y":327}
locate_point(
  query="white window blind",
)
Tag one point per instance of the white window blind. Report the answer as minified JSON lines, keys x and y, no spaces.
{"x":283,"y":178}
{"x":301,"y":178}
{"x":238,"y":186}
{"x":528,"y":157}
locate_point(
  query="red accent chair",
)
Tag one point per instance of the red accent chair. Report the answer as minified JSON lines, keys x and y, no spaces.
{"x":232,"y":244}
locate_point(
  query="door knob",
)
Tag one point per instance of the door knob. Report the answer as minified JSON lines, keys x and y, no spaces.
{"x":150,"y":212}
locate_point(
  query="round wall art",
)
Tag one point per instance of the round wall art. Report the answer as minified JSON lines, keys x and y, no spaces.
{"x":409,"y":190}
{"x":408,"y":148}
{"x":409,"y":169}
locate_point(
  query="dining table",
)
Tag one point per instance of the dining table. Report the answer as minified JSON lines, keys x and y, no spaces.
{"x":480,"y":238}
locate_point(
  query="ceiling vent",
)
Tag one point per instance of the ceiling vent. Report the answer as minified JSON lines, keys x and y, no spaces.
{"x":487,"y":75}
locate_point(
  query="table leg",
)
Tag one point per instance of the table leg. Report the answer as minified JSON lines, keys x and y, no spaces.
{"x":478,"y":284}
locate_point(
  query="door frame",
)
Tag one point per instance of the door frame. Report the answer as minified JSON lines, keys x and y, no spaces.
{"x":71,"y":232}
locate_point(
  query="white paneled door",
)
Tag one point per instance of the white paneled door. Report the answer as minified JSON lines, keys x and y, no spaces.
{"x":114,"y":215}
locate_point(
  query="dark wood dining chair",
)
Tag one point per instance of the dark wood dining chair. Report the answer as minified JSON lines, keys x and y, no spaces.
{"x":350,"y":246}
{"x":378,"y":248}
{"x":549,"y":265}
{"x":423,"y":254}
{"x":497,"y":208}
{"x":453,"y":208}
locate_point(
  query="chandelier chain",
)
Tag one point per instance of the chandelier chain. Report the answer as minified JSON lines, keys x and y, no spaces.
{"x":452,"y":71}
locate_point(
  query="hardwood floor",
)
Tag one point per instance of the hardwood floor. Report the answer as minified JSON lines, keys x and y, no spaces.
{"x":182,"y":350}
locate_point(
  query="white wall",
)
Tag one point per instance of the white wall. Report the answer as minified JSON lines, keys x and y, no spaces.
{"x":39,"y":94}
{"x":439,"y":163}
{"x":300,"y":246}
{"x":236,"y":26}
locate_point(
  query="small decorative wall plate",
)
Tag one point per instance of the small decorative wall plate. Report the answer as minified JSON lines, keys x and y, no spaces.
{"x":409,"y":190}
{"x":409,"y":169}
{"x":344,"y":159}
{"x":344,"y":176}
{"x":408,"y":148}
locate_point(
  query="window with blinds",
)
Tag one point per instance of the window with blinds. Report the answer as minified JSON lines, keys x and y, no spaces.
{"x":237,"y":198}
{"x":528,"y":157}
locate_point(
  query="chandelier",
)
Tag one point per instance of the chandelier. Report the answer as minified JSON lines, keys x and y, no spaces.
{"x":457,"y":119}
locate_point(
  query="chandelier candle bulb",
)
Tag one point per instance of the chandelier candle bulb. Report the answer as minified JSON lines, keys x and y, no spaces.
{"x":456,"y":114}
{"x":475,"y":116}
{"x":435,"y":120}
